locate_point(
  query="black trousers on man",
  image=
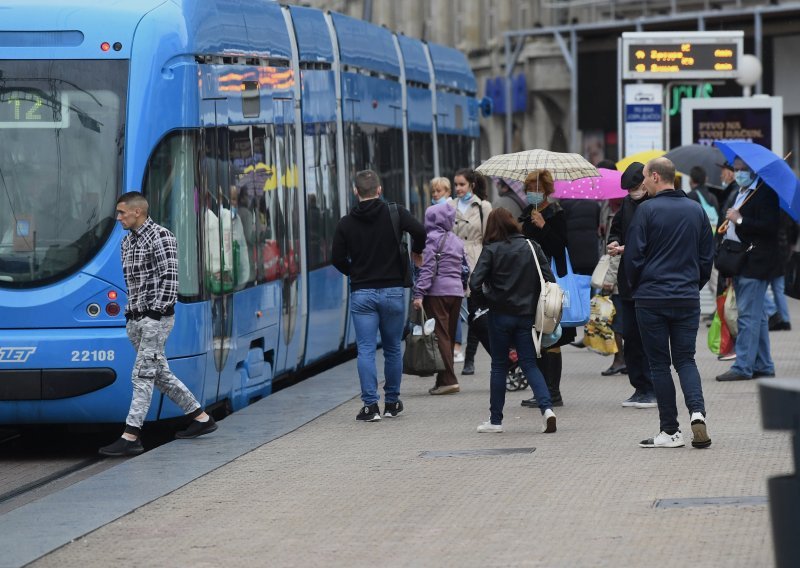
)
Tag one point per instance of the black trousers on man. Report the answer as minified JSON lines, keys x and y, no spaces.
{"x":635,"y":358}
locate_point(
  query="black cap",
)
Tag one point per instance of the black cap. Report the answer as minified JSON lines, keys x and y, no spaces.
{"x":726,"y":166}
{"x":632,"y":176}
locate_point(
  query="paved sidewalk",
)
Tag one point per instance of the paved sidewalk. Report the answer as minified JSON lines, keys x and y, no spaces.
{"x":339,"y":493}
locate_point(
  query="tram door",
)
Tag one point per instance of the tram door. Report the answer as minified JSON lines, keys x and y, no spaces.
{"x":219,"y":251}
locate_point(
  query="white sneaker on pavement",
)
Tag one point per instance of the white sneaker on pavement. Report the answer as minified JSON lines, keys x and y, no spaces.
{"x":700,"y":438}
{"x":458,"y":357}
{"x":549,"y":421}
{"x":664,"y":440}
{"x":489,"y":427}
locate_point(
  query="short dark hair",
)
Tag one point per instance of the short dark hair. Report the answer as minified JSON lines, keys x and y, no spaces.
{"x":698,"y":175}
{"x":607,"y":164}
{"x":367,"y":183}
{"x":500,"y":225}
{"x":133,"y":199}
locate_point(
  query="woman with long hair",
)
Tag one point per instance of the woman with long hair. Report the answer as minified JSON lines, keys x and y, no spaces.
{"x":472,"y":211}
{"x":506,"y":281}
{"x":544,"y":222}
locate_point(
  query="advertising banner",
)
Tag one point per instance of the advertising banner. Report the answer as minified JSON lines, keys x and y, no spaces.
{"x":644,"y":113}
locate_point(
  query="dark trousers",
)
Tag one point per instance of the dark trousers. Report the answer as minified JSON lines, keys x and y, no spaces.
{"x":635,"y":358}
{"x":445,"y":310}
{"x":477,"y":333}
{"x":669,"y":335}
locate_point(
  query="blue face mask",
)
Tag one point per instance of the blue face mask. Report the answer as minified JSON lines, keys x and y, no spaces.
{"x":743,"y":178}
{"x":467,"y":196}
{"x":534,"y":198}
{"x":439,"y":201}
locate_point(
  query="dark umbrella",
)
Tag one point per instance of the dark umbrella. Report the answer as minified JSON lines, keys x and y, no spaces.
{"x":691,"y":155}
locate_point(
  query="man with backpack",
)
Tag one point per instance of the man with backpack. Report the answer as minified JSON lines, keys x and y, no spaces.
{"x":366,"y":247}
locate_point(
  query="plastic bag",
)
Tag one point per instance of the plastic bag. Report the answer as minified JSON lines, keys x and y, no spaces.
{"x":598,"y":335}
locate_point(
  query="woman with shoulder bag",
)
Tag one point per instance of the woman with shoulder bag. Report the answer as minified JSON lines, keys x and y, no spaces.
{"x":507,"y":281}
{"x":544,"y":222}
{"x":440,"y":288}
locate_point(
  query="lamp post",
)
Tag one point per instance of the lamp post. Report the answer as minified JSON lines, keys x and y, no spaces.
{"x":749,"y":73}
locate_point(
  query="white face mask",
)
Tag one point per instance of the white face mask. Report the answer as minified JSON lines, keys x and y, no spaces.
{"x":637,"y":194}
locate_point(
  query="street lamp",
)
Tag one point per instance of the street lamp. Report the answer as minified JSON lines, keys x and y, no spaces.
{"x":749,"y":73}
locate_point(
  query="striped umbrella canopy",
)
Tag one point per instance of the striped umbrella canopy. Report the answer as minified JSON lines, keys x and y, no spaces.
{"x":517,"y":166}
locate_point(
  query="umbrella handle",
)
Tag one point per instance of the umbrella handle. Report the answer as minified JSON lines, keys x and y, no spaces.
{"x":722,"y":229}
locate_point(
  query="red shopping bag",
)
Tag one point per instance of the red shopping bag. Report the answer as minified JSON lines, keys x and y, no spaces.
{"x":726,"y":341}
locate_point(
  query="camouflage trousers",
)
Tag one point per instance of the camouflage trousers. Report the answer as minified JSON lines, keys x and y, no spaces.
{"x":151,"y":369}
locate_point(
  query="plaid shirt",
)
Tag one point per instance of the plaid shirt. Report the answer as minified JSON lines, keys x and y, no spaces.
{"x":150,"y":266}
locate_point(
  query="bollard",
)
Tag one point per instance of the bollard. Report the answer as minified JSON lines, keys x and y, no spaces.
{"x":780,"y":410}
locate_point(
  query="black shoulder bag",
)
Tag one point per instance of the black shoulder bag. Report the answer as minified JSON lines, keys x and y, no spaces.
{"x":408,"y":281}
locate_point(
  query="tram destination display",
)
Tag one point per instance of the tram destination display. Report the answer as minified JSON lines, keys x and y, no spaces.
{"x":33,"y":108}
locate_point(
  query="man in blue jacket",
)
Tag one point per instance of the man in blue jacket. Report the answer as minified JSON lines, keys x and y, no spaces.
{"x":668,"y":259}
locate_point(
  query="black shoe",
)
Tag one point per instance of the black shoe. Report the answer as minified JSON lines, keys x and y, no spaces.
{"x":122,"y":447}
{"x":785,"y":326}
{"x":469,"y":367}
{"x":392,"y":409}
{"x":732,"y":376}
{"x":614,"y":369}
{"x":533,"y":403}
{"x":579,"y":344}
{"x":775,"y":322}
{"x":371,"y":413}
{"x":197,"y":428}
{"x":762,"y":375}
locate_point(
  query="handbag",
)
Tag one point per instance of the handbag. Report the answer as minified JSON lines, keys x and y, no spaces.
{"x":422,"y":356}
{"x":731,"y":312}
{"x":600,"y":272}
{"x":548,"y":307}
{"x":731,"y":256}
{"x":577,"y":295}
{"x":408,"y":279}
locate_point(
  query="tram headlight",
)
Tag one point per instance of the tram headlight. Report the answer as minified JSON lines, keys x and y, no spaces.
{"x":112,"y":309}
{"x":93,"y":310}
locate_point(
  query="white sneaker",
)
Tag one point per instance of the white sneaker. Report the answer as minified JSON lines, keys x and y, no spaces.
{"x":489,"y":427}
{"x":664,"y":440}
{"x":700,"y":437}
{"x":458,"y":357}
{"x":549,"y":419}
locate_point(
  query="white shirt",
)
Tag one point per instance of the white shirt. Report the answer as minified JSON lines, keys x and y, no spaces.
{"x":730,"y":233}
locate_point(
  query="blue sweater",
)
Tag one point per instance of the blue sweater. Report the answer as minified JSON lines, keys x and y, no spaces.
{"x":669,"y":251}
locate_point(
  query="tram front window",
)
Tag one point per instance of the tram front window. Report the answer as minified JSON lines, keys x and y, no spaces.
{"x":61,"y":134}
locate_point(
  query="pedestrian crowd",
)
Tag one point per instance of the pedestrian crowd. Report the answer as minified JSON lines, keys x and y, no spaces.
{"x":485,"y":264}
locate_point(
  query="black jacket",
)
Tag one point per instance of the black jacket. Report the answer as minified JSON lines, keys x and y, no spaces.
{"x":583,"y":219}
{"x":670,"y":251}
{"x":505,"y":278}
{"x":552,"y":237}
{"x":365,"y":246}
{"x":760,"y":225}
{"x":619,"y":229}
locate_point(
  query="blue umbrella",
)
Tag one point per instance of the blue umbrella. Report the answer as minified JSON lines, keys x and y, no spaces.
{"x":771,"y":168}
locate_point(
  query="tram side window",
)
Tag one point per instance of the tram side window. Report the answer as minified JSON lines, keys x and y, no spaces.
{"x":421,"y":171}
{"x":171,"y":187}
{"x":322,"y":207}
{"x":269,"y":263}
{"x":243,"y":205}
{"x":378,"y":148}
{"x":288,"y":184}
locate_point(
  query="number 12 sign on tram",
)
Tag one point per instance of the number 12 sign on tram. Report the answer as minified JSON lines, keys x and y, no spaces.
{"x":681,"y":55}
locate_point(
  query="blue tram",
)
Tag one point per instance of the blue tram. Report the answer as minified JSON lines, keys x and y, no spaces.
{"x":243,"y":122}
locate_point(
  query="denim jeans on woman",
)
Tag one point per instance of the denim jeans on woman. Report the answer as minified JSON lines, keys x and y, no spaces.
{"x":505,"y":331}
{"x":378,"y":310}
{"x":669,"y":334}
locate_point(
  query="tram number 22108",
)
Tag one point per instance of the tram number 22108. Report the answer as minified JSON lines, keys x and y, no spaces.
{"x":101,"y":355}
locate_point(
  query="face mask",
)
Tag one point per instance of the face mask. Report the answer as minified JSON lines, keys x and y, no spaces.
{"x":439,"y":201}
{"x":743,"y":178}
{"x":534,"y":198}
{"x":467,"y":197}
{"x":636,"y":195}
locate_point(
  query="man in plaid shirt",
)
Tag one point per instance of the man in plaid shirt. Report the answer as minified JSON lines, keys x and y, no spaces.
{"x":150,"y":266}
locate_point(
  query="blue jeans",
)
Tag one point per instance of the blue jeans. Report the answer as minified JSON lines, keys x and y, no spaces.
{"x":776,"y":304}
{"x":669,"y":335}
{"x":378,"y":310}
{"x":505,"y":330}
{"x":752,"y":343}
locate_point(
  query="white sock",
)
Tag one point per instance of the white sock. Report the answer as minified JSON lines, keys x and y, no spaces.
{"x":203,"y":419}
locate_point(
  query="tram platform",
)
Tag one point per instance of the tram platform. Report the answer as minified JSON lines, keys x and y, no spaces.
{"x":294,"y":480}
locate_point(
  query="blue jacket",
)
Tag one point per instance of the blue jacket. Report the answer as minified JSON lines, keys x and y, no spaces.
{"x":669,"y":251}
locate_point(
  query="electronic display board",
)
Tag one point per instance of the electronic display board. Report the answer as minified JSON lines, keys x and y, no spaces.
{"x":681,"y":55}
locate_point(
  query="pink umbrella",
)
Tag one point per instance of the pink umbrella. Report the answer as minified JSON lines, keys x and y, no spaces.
{"x":607,"y":186}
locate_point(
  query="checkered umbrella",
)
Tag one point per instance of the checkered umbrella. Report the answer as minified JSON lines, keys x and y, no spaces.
{"x":517,"y":166}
